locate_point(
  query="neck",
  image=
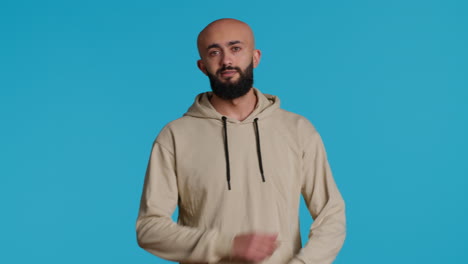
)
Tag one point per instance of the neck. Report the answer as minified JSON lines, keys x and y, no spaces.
{"x":239,"y":108}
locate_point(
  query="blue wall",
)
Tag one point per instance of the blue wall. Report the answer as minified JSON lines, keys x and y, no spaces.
{"x":85,"y":86}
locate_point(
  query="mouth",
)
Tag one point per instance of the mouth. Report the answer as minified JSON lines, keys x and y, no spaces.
{"x":228,"y":73}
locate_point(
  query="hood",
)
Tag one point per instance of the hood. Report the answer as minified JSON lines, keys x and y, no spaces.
{"x":202,"y":108}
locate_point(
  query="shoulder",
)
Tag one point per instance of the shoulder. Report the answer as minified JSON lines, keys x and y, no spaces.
{"x":291,"y":127}
{"x":165,"y":137}
{"x":294,"y":121}
{"x":179,"y":123}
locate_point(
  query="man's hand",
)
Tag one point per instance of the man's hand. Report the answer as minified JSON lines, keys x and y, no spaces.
{"x":254,"y":247}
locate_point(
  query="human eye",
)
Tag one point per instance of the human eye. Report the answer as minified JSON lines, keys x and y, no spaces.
{"x":236,"y":48}
{"x":213,"y":53}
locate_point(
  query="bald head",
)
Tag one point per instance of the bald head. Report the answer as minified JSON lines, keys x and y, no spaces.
{"x":227,"y":52}
{"x":225,"y":30}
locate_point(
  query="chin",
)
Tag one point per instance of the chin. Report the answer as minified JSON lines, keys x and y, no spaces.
{"x":231,"y":80}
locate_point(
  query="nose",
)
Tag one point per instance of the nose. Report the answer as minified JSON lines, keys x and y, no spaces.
{"x":227,"y":59}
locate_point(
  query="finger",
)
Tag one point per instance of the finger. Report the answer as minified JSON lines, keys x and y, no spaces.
{"x":262,"y":246}
{"x":270,"y":239}
{"x":265,"y":249}
{"x":256,"y":254}
{"x":262,"y":255}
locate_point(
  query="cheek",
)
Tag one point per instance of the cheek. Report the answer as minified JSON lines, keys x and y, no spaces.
{"x":247,"y":59}
{"x":211,"y":66}
{"x":211,"y":70}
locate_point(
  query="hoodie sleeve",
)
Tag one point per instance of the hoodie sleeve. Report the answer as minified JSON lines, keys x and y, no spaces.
{"x":157,"y":233}
{"x":325,"y":204}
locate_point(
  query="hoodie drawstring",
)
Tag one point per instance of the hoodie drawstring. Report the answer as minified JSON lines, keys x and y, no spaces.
{"x":259,"y":151}
{"x":226,"y":151}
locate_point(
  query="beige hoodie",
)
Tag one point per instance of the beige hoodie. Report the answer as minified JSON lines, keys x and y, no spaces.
{"x":189,"y":168}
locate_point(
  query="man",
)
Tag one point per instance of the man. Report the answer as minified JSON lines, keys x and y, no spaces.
{"x":236,"y":165}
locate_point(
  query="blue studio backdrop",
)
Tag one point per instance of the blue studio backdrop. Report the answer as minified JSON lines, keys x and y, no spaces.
{"x":85,"y":87}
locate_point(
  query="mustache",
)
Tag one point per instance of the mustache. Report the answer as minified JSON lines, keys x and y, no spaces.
{"x":230,"y":68}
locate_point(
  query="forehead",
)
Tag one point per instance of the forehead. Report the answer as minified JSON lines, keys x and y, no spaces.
{"x":224,"y":34}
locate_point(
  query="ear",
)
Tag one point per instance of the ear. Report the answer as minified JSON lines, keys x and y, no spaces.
{"x":201,"y":66}
{"x":257,"y":54}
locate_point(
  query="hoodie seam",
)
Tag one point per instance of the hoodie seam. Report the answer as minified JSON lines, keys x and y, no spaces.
{"x":164,"y":147}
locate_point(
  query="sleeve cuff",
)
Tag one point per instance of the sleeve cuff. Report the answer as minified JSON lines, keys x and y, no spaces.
{"x":224,"y":246}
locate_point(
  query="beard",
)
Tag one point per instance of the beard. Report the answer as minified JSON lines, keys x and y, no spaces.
{"x":231,"y":90}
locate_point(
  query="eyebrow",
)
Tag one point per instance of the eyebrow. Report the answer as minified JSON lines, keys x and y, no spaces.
{"x":233,"y":42}
{"x":230,"y":43}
